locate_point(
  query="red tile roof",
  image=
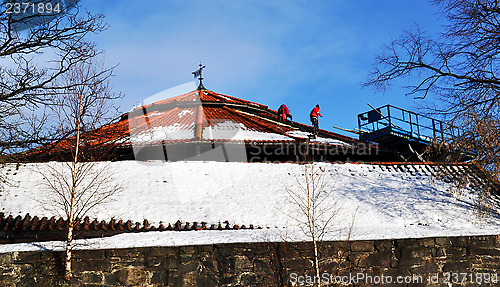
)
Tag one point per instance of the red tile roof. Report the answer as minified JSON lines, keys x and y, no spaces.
{"x":181,"y":113}
{"x":217,"y":108}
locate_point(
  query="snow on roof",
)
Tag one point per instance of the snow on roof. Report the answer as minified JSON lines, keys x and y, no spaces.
{"x":238,"y":124}
{"x":229,"y":130}
{"x":382,"y":201}
{"x":198,"y":117}
{"x":318,"y":139}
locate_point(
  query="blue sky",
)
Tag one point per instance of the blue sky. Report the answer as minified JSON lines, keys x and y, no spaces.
{"x":296,"y":52}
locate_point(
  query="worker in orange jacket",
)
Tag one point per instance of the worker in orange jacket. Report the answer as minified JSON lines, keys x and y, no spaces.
{"x":284,"y":113}
{"x":314,"y":119}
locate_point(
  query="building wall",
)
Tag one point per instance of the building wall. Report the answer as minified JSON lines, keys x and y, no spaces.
{"x":269,"y":264}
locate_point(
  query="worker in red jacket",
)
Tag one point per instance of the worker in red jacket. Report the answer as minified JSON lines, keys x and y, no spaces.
{"x":314,"y":119}
{"x":284,"y":113}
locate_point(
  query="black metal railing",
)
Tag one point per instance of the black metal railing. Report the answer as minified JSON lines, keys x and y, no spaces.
{"x":415,"y":126}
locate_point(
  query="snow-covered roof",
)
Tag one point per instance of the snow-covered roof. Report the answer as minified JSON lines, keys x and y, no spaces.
{"x":204,"y":116}
{"x":392,"y":200}
{"x":218,"y":117}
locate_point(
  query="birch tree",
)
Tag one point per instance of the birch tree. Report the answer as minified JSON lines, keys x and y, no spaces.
{"x":79,"y":183}
{"x":315,"y":209}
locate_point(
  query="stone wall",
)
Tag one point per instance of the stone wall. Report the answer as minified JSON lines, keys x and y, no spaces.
{"x":266,"y":264}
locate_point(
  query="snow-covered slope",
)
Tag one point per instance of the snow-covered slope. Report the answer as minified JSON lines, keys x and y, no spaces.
{"x":378,"y":203}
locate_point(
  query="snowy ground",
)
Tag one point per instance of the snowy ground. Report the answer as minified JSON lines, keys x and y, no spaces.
{"x":375,"y":202}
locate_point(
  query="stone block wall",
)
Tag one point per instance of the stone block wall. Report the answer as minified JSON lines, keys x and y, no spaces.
{"x":433,"y":260}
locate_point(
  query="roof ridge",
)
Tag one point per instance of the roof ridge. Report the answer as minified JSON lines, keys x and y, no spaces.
{"x":234,"y":98}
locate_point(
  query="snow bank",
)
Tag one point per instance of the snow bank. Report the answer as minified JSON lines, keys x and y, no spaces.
{"x":376,"y":202}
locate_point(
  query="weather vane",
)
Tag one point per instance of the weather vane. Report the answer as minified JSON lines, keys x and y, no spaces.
{"x":197,"y":73}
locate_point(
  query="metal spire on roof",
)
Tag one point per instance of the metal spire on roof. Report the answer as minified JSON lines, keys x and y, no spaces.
{"x":197,"y":73}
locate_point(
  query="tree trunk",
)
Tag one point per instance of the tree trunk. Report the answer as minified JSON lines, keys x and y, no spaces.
{"x":69,"y":242}
{"x":69,"y":238}
{"x":316,"y":260}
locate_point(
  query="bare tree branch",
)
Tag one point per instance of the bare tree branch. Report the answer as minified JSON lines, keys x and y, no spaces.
{"x":28,"y":80}
{"x":459,"y":70}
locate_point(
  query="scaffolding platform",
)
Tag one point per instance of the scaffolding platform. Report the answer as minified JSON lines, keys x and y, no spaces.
{"x":389,"y":124}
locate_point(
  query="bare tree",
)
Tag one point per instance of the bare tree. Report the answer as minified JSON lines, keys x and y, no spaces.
{"x":80,"y":183}
{"x":32,"y":62}
{"x":315,"y":210}
{"x":456,"y":72}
